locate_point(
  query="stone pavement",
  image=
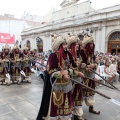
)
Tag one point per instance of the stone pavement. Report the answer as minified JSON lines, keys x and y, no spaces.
{"x":22,"y":102}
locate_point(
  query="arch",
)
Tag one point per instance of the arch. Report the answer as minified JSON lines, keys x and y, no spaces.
{"x":114,"y":42}
{"x":28,"y":44}
{"x":115,"y":36}
{"x":107,"y":37}
{"x":39,"y":44}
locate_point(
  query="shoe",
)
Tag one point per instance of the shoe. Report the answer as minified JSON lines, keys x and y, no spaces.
{"x":91,"y":110}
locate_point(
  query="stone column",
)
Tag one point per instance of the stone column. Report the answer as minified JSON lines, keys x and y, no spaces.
{"x":47,"y":43}
{"x":97,"y":40}
{"x":103,"y":39}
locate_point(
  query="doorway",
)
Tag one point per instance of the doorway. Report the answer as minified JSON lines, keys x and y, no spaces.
{"x":114,"y":47}
{"x":114,"y":43}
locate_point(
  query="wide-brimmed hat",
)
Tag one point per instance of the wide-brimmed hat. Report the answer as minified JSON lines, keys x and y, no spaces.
{"x":56,"y":42}
{"x":25,"y":47}
{"x":87,"y":39}
{"x":6,"y":47}
{"x":71,"y":39}
{"x":16,"y":47}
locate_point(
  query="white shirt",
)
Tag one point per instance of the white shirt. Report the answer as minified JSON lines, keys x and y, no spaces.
{"x":113,"y":68}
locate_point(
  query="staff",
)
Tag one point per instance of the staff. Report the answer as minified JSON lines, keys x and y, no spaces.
{"x":81,"y":83}
{"x":105,"y":80}
{"x":98,"y":82}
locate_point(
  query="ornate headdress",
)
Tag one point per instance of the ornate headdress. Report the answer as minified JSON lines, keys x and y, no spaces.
{"x":71,"y":39}
{"x":16,"y":47}
{"x":6,"y":47}
{"x":57,"y":41}
{"x":25,"y":47}
{"x":87,"y":37}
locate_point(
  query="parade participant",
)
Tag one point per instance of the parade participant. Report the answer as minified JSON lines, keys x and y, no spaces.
{"x":31,"y":55}
{"x":15,"y":58}
{"x":57,"y":100}
{"x":5,"y":64}
{"x":72,"y":43}
{"x":6,"y":56}
{"x":88,"y":57}
{"x":26,"y":65}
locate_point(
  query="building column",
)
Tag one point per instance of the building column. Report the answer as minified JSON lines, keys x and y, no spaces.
{"x":97,"y":40}
{"x":44,"y":43}
{"x":103,"y":40}
{"x":47,"y":43}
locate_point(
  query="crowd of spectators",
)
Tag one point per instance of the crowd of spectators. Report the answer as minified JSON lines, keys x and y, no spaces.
{"x":108,"y":66}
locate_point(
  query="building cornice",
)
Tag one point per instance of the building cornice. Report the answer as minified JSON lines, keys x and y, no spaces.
{"x":79,"y":20}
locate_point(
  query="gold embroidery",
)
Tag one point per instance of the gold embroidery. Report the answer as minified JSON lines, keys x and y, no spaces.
{"x":52,"y":71}
{"x":66,"y":102}
{"x":61,"y":111}
{"x":62,"y":82}
{"x":77,"y":95}
{"x":58,"y":111}
{"x":58,"y":98}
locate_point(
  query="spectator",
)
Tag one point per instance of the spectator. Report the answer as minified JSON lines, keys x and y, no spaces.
{"x":118,"y":67}
{"x":110,"y":76}
{"x":113,"y":69}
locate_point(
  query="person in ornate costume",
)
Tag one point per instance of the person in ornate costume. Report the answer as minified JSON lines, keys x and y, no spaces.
{"x":26,"y":65}
{"x":72,"y":43}
{"x":31,"y":54}
{"x":16,"y":58}
{"x":88,"y":57}
{"x":5,"y":65}
{"x":57,"y":102}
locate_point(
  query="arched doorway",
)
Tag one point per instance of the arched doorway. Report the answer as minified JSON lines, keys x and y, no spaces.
{"x":114,"y":43}
{"x":28,"y":44}
{"x":39,"y":43}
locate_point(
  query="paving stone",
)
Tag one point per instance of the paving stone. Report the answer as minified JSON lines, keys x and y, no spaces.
{"x":35,"y":101}
{"x":31,"y":95}
{"x":4,"y":109}
{"x":2,"y":102}
{"x":11,"y":116}
{"x":14,"y":99}
{"x":21,"y":106}
{"x":28,"y":114}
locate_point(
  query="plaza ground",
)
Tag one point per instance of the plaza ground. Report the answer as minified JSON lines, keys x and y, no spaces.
{"x":22,"y":102}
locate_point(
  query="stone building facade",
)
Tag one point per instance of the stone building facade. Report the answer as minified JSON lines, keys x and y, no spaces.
{"x":76,"y":17}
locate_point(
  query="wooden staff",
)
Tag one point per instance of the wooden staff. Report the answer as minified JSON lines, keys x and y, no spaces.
{"x":85,"y":76}
{"x":98,"y":82}
{"x":34,"y":60}
{"x":90,"y":88}
{"x":40,"y":58}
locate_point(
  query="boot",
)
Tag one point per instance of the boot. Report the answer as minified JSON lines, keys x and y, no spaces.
{"x":91,"y":109}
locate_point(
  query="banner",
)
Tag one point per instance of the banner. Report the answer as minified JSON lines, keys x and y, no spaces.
{"x":7,"y":38}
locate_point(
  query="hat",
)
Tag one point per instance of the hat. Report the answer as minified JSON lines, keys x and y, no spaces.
{"x":16,"y":47}
{"x":25,"y":47}
{"x":87,"y":39}
{"x":6,"y":47}
{"x":71,"y":39}
{"x":57,"y":41}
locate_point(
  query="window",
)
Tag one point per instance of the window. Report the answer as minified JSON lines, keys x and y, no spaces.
{"x":39,"y":43}
{"x":115,"y":36}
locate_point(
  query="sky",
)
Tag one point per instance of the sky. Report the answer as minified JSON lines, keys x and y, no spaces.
{"x":42,"y":7}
